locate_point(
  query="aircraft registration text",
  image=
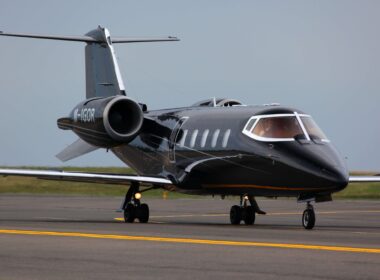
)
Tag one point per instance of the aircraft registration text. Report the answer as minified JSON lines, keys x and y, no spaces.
{"x":85,"y":115}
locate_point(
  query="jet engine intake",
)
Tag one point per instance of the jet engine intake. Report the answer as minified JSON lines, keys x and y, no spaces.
{"x":122,"y":118}
{"x":105,"y":122}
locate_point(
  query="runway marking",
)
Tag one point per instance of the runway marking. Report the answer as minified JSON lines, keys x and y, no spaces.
{"x":57,"y":219}
{"x":194,"y":241}
{"x":268,"y":214}
{"x":150,"y":221}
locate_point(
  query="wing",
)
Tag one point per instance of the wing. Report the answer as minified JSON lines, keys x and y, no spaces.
{"x":364,"y":179}
{"x":101,"y":178}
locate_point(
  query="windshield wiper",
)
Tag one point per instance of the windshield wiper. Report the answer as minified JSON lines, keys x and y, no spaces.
{"x":316,"y":139}
{"x":301,"y":138}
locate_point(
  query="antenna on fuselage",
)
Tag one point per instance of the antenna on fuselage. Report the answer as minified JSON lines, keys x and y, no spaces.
{"x":214,"y":101}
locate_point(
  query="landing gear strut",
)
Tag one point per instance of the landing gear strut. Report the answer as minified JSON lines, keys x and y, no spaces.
{"x":308,"y":217}
{"x":245,"y":212}
{"x":132,"y":207}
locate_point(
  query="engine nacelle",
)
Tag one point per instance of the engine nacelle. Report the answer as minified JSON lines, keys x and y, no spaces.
{"x":105,"y":122}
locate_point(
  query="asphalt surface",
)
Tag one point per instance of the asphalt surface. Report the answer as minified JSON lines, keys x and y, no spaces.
{"x":54,"y":237}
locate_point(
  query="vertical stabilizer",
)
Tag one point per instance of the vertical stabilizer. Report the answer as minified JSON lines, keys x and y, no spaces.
{"x":103,"y":76}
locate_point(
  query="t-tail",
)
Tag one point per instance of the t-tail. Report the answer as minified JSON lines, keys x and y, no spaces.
{"x":112,"y":119}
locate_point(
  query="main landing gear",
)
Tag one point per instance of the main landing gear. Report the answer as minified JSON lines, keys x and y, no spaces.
{"x":132,"y":207}
{"x":244,"y":212}
{"x":308,"y":217}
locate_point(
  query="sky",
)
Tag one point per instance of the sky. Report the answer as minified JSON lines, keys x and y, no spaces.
{"x":319,"y":56}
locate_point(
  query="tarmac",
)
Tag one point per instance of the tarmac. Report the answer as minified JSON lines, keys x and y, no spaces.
{"x":71,"y":237}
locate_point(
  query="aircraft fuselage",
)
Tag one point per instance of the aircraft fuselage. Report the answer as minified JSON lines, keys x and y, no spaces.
{"x":204,"y":150}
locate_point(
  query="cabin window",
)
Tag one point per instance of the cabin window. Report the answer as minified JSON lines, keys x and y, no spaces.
{"x":283,"y":127}
{"x":214,"y":139}
{"x":204,"y":138}
{"x":226,"y":137}
{"x":183,"y":138}
{"x":193,"y":138}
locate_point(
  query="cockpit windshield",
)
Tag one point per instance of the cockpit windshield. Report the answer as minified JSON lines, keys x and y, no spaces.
{"x":312,"y":129}
{"x":283,"y":127}
{"x":277,"y":127}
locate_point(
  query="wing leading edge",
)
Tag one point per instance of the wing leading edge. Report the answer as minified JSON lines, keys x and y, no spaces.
{"x":101,"y":178}
{"x":364,"y":179}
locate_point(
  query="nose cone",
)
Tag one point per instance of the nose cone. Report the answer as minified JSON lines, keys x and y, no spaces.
{"x":321,"y":165}
{"x":332,"y":168}
{"x":336,"y":176}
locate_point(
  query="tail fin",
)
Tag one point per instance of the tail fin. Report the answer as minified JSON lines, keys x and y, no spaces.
{"x":103,"y":76}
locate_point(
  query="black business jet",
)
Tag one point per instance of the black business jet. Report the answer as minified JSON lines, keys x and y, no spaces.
{"x":214,"y":147}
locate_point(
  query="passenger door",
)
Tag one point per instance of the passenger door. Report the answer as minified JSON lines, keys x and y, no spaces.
{"x":174,"y":138}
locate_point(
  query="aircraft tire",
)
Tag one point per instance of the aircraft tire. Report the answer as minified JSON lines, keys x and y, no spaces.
{"x":249,"y":215}
{"x":308,"y":219}
{"x":143,"y":213}
{"x":129,"y":213}
{"x":235,"y":215}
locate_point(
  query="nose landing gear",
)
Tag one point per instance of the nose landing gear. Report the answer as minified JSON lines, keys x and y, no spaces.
{"x":132,"y":207}
{"x":308,"y":217}
{"x":244,"y":212}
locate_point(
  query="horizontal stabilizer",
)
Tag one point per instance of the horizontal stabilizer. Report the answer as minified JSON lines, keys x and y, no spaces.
{"x":103,"y":77}
{"x":86,"y":39}
{"x":76,"y":149}
{"x":89,"y":39}
{"x":116,"y":40}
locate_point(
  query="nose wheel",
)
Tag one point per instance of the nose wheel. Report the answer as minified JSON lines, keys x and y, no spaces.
{"x":308,"y":217}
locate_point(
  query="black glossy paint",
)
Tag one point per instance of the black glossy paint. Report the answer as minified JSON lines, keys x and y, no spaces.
{"x":242,"y":166}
